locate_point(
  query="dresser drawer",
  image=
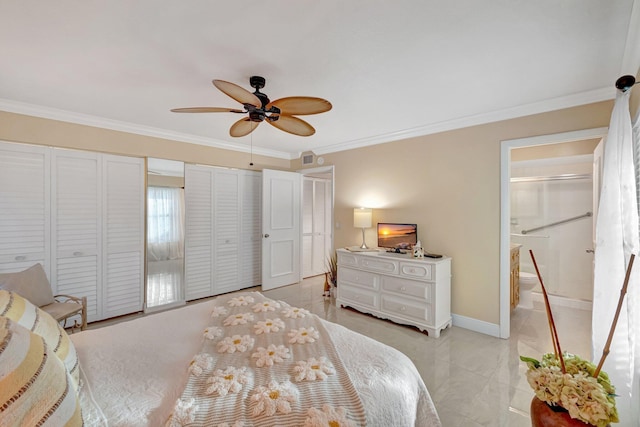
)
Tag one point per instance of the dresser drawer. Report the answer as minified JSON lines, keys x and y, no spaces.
{"x":409,"y":309}
{"x":407,"y":288}
{"x":358,"y":277}
{"x":378,"y":264}
{"x":347,"y":259}
{"x":347,"y":293}
{"x":417,"y":271}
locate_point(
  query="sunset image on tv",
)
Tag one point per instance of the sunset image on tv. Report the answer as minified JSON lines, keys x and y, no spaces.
{"x":402,"y":236}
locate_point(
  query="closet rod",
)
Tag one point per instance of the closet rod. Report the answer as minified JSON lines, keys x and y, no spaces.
{"x":588,"y":214}
{"x":562,"y":177}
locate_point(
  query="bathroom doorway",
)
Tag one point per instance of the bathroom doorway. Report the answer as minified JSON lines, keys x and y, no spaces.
{"x":547,"y":206}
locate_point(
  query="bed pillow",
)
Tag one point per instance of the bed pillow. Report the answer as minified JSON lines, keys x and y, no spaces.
{"x":31,"y":283}
{"x":20,"y":310}
{"x":35,"y":387}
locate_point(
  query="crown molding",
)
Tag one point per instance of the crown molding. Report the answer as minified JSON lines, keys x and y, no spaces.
{"x":100,"y":122}
{"x":583,"y":98}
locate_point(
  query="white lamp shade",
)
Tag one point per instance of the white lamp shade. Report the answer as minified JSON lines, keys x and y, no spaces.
{"x":362,"y":217}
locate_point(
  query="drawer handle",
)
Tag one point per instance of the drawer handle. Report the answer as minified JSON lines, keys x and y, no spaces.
{"x":77,"y":253}
{"x":402,"y":288}
{"x":21,"y":258}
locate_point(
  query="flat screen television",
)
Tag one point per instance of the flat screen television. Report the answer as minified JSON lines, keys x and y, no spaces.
{"x":397,"y":236}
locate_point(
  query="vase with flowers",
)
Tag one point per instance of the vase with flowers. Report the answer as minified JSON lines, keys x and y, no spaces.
{"x":571,"y":391}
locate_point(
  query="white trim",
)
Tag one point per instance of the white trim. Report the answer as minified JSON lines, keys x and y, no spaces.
{"x":103,"y":123}
{"x":476,"y":325}
{"x":583,"y":98}
{"x":505,"y":206}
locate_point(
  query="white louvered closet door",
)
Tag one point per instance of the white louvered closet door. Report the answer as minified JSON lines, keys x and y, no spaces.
{"x":251,"y":229}
{"x":24,"y":207}
{"x":123,"y":197}
{"x":76,"y":227}
{"x":198,"y":241}
{"x":226,"y":217}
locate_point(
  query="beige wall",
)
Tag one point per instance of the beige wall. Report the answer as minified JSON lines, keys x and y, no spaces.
{"x":33,"y":130}
{"x":449,"y":184}
{"x":165,"y":181}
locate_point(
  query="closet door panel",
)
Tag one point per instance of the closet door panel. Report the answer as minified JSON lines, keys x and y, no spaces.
{"x":226,"y":216}
{"x":123,"y":234}
{"x":198,"y":189}
{"x":76,"y":218}
{"x":251,"y":229}
{"x":24,"y":207}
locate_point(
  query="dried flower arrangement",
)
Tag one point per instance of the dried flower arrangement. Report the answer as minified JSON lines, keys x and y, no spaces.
{"x":564,"y":380}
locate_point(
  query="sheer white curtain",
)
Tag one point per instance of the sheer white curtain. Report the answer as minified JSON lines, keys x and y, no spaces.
{"x":617,"y":236}
{"x":165,"y":219}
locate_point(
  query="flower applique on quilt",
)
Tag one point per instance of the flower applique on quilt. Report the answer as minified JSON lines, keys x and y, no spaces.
{"x":218,"y":311}
{"x":238,"y":319}
{"x":303,"y":335}
{"x":227,"y":381}
{"x":183,"y":413}
{"x":267,"y":326}
{"x":266,"y":306}
{"x":295,"y":312}
{"x":200,"y":363}
{"x":270,"y":355}
{"x":313,"y":369}
{"x":213,"y":332}
{"x":275,"y":397}
{"x":235,"y":343}
{"x":328,"y":416}
{"x":240,"y":301}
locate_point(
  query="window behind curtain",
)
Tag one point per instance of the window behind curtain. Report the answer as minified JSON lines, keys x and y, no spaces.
{"x":165,"y":219}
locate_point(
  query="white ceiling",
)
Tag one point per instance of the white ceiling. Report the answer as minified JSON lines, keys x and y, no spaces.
{"x":391,"y":69}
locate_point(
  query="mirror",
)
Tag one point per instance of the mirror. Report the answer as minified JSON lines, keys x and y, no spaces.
{"x":165,"y":233}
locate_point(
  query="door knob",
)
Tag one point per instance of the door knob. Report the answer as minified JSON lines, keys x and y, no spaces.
{"x":266,"y":235}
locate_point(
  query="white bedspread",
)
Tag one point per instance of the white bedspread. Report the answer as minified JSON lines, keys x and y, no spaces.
{"x":135,"y":371}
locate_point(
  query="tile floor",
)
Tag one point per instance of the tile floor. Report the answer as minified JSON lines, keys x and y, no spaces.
{"x":474,"y":379}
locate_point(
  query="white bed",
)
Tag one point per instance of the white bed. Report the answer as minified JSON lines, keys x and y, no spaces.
{"x":132,"y":373}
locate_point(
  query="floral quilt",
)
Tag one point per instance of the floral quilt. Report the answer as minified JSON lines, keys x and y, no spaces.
{"x":265,"y":363}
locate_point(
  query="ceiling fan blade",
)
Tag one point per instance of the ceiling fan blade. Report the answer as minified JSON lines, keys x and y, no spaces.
{"x":238,"y":93}
{"x":206,"y":110}
{"x":301,"y":105}
{"x":243,"y":127}
{"x":293,"y":125}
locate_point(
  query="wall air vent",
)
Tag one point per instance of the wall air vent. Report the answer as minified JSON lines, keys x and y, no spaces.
{"x":308,"y":158}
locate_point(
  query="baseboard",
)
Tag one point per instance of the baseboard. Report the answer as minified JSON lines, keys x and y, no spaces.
{"x":476,"y":325}
{"x":562,"y":301}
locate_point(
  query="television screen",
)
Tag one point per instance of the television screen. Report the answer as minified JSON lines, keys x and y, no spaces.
{"x":397,"y":236}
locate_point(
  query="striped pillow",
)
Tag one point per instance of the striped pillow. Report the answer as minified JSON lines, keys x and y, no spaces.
{"x":35,"y":387}
{"x":40,"y":322}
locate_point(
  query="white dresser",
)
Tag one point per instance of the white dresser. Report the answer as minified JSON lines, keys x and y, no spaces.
{"x":403,"y":289}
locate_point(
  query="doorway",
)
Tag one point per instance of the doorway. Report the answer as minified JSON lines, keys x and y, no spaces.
{"x":317,"y":220}
{"x":506,"y":215}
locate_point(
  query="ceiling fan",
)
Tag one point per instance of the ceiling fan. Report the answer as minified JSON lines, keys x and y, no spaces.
{"x":279,"y":113}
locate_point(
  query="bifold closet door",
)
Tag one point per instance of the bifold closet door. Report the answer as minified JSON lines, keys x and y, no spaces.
{"x":198,"y":246}
{"x":24,"y":207}
{"x":123,"y":196}
{"x":251,"y":229}
{"x":226,"y":220}
{"x":76,"y":217}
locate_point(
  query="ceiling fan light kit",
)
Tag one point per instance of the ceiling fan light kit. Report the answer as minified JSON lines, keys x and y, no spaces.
{"x":280,"y":113}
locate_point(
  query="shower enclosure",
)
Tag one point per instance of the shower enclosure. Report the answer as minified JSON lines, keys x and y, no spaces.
{"x":551,"y":215}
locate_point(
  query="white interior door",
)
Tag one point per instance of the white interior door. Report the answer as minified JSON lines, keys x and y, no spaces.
{"x":281,"y":230}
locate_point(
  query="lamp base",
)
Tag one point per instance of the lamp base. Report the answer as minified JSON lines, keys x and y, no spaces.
{"x":363,"y":245}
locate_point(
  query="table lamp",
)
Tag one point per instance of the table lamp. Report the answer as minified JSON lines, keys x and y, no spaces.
{"x":362,"y":219}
